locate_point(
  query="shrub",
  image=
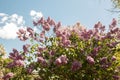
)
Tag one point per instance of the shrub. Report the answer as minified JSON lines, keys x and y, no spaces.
{"x":66,"y":53}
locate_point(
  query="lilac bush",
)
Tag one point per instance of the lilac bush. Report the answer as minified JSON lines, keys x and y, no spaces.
{"x":66,"y":53}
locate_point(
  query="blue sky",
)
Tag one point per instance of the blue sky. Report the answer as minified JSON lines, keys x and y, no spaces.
{"x":87,"y":12}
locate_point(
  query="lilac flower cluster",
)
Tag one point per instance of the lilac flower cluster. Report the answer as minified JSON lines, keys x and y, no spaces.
{"x":18,"y":59}
{"x":61,"y":60}
{"x":90,"y":60}
{"x":76,"y":65}
{"x":8,"y":76}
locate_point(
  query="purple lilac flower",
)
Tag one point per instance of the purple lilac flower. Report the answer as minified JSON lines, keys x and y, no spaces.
{"x":15,"y":63}
{"x":51,"y":53}
{"x":30,"y":30}
{"x":22,"y":31}
{"x":113,"y":58}
{"x":66,"y":42}
{"x":102,"y":28}
{"x":42,"y":34}
{"x":35,"y":23}
{"x":113,"y":44}
{"x":58,"y":33}
{"x":114,"y":30}
{"x":90,"y":60}
{"x":61,"y":60}
{"x":114,"y":22}
{"x":95,"y":51}
{"x":98,"y":25}
{"x":40,"y":49}
{"x":76,"y":65}
{"x":10,"y":65}
{"x":52,"y":22}
{"x":46,"y":27}
{"x":39,"y":54}
{"x":23,"y":38}
{"x":58,"y":61}
{"x":15,"y":55}
{"x":25,"y":48}
{"x":48,"y":19}
{"x":58,"y":24}
{"x":22,"y":34}
{"x":103,"y":60}
{"x":19,"y":63}
{"x":30,"y":69}
{"x":116,"y":77}
{"x":42,"y":61}
{"x":8,"y":76}
{"x":41,"y":21}
{"x":104,"y":66}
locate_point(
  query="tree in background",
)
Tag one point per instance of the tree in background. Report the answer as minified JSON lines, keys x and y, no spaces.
{"x":2,"y":51}
{"x":2,"y":55}
{"x":116,"y":4}
{"x":3,"y":61}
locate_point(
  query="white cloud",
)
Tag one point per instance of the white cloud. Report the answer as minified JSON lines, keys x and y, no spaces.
{"x":2,"y":14}
{"x":32,"y":13}
{"x":20,"y":20}
{"x":15,"y":16}
{"x":9,"y":31}
{"x":10,"y":25}
{"x":35,"y":15}
{"x":4,"y":19}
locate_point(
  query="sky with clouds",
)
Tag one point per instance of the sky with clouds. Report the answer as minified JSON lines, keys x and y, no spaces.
{"x":20,"y":13}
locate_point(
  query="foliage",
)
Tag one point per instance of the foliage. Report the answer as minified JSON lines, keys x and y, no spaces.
{"x":117,"y":54}
{"x":71,"y":53}
{"x":116,"y":3}
{"x":3,"y":62}
{"x":2,"y":50}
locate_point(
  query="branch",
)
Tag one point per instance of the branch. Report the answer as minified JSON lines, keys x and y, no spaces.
{"x":116,"y":11}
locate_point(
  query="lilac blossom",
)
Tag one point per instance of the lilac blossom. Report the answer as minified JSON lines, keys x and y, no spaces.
{"x":61,"y":60}
{"x":8,"y":76}
{"x":25,"y":48}
{"x":52,"y":53}
{"x":95,"y":51}
{"x":19,"y":63}
{"x":15,"y":55}
{"x":98,"y":25}
{"x":103,"y":60}
{"x":58,"y":61}
{"x":42,"y":61}
{"x":113,"y":58}
{"x":90,"y":60}
{"x":76,"y":65}
{"x":46,"y":27}
{"x":10,"y":65}
{"x":52,"y":22}
{"x":116,"y":77}
{"x":114,"y":22}
{"x":42,"y":34}
{"x":30,"y":69}
{"x":31,"y":32}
